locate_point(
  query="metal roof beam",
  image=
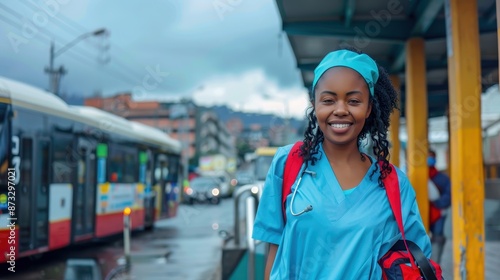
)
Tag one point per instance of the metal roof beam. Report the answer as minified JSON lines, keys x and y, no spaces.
{"x":431,"y":89}
{"x":438,"y":28}
{"x":349,"y":8}
{"x":427,"y":16}
{"x":424,"y":20}
{"x":443,"y":64}
{"x":362,"y":31}
{"x":412,"y":8}
{"x":491,"y":14}
{"x":281,"y":8}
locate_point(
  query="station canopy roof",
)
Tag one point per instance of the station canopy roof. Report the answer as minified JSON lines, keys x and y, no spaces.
{"x":381,"y":29}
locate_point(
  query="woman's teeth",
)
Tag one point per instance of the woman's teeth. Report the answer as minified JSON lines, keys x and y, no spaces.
{"x":343,"y":125}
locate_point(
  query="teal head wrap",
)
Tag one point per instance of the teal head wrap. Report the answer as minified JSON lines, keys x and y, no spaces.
{"x":361,"y":63}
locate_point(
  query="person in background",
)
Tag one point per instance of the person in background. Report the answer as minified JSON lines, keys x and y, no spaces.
{"x":440,"y":201}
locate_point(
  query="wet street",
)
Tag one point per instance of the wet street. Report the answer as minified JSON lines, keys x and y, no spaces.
{"x":188,"y":247}
{"x":185,"y":247}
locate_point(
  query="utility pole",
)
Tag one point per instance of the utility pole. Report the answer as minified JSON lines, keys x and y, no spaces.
{"x":55,"y":75}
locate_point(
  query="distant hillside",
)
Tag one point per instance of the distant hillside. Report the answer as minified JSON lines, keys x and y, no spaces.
{"x":225,"y":113}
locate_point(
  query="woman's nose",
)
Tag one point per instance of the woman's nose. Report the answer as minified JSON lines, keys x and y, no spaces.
{"x":340,"y":109}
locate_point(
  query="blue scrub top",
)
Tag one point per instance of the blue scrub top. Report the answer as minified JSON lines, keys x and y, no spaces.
{"x":344,"y":236}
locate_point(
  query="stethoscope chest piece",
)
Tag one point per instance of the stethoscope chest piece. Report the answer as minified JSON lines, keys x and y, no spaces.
{"x":309,"y":207}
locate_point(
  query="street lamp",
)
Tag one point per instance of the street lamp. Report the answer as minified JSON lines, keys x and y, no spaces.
{"x":56,"y":74}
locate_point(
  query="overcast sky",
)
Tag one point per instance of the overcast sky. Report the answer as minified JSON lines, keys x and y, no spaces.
{"x":215,"y":51}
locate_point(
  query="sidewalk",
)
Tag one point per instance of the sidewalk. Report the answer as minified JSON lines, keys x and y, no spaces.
{"x":491,"y":245}
{"x":492,"y":260}
{"x":183,"y":264}
{"x":182,"y":248}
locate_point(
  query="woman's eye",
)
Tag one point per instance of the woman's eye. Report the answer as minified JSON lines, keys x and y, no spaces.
{"x":327,"y":101}
{"x":354,"y":101}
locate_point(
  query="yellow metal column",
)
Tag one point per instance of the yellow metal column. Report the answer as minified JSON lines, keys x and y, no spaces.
{"x":394,"y":128}
{"x":466,"y":144}
{"x":416,"y":123}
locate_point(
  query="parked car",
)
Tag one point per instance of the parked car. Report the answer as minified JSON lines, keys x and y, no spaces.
{"x":203,"y":189}
{"x":225,"y":186}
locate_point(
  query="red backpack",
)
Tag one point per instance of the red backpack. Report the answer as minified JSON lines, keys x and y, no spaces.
{"x":397,"y":263}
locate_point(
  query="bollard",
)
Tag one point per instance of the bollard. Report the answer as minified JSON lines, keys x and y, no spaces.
{"x":126,"y":235}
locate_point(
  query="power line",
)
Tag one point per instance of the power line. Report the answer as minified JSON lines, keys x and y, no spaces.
{"x":81,"y":29}
{"x":128,"y":75}
{"x":115,"y":75}
{"x":126,"y":53}
{"x":47,"y":39}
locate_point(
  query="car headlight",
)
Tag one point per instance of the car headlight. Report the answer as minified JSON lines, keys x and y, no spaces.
{"x":234,"y":182}
{"x":215,"y":192}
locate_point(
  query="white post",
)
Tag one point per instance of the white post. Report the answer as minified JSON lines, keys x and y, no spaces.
{"x":250,"y":211}
{"x":126,"y":236}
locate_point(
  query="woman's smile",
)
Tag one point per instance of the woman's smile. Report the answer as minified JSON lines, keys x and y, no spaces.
{"x":340,"y":127}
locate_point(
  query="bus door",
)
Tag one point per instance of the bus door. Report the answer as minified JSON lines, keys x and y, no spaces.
{"x":83,"y":219}
{"x":160,"y":174}
{"x":145,"y":177}
{"x":33,"y":196}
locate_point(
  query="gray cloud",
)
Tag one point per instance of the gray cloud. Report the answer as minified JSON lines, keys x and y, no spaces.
{"x":191,"y":40}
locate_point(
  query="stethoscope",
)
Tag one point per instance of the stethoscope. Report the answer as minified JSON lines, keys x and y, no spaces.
{"x":309,"y":207}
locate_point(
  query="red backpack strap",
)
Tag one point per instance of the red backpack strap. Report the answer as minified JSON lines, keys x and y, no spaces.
{"x":292,"y":168}
{"x":391,"y":185}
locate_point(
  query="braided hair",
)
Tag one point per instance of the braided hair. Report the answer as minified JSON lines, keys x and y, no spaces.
{"x":384,"y":101}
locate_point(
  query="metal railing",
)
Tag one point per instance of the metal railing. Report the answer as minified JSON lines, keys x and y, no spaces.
{"x":251,"y":202}
{"x":254,"y":190}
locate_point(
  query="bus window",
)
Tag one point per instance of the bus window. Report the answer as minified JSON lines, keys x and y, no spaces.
{"x":174,"y":165}
{"x":264,"y":157}
{"x":262,"y":165}
{"x":123,"y":164}
{"x":62,"y":164}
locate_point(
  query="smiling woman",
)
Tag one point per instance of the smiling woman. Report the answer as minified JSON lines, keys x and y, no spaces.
{"x":349,"y":218}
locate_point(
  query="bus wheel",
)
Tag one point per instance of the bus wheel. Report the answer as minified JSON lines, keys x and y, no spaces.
{"x":150,"y":227}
